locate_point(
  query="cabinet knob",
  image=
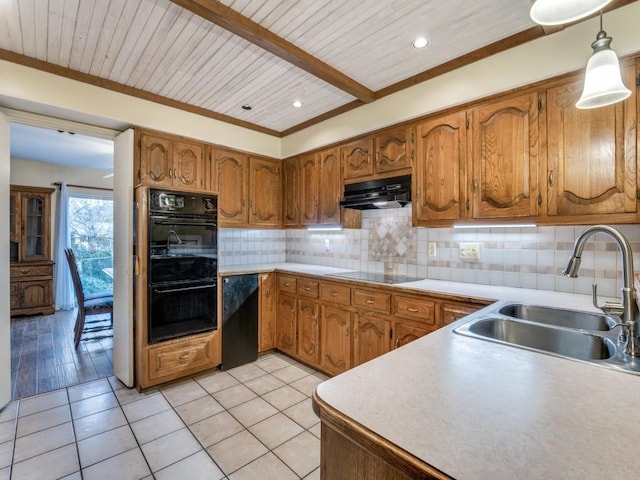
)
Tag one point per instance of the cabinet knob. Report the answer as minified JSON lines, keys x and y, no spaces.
{"x":551,"y":178}
{"x":24,"y":272}
{"x":306,"y":289}
{"x":369,"y":301}
{"x":334,"y":293}
{"x":412,"y":310}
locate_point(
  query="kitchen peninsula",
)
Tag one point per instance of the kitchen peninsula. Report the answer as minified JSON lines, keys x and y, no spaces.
{"x":449,"y":406}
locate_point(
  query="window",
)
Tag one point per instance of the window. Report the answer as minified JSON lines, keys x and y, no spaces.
{"x":91,"y":233}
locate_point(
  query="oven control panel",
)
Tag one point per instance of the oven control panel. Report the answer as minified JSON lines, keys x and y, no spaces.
{"x":182,"y":202}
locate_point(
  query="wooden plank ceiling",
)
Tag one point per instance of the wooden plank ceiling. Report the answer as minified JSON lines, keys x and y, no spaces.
{"x":214,"y":57}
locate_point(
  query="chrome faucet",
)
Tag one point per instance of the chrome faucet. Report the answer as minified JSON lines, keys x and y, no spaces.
{"x":178,"y":239}
{"x":627,"y":311}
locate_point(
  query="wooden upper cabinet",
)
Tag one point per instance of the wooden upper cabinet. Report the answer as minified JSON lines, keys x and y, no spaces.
{"x":331,"y":191}
{"x":504,"y":149}
{"x":15,"y":218}
{"x":291,"y":192}
{"x":229,"y":174}
{"x":165,"y":161}
{"x":309,"y":173}
{"x":357,"y":158}
{"x":188,"y":165}
{"x":591,"y":154}
{"x":265,"y":192}
{"x":394,"y":150}
{"x":156,"y":161}
{"x":440,"y":169}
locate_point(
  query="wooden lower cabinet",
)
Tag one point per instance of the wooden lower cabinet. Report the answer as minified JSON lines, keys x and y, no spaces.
{"x":450,"y":312}
{"x":308,"y":331}
{"x":335,"y":341}
{"x":333,"y":326}
{"x":371,"y":337}
{"x":286,"y":323}
{"x":177,"y":358}
{"x":267,"y":315}
{"x":31,"y":288}
{"x":406,"y":331}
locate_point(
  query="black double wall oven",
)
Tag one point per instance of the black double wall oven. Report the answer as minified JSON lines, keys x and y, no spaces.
{"x":183,"y":264}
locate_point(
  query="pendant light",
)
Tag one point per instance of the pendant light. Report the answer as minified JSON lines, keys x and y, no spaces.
{"x":602,"y":82}
{"x":556,"y":12}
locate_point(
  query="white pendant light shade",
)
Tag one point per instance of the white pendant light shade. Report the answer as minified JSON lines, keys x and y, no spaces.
{"x":558,"y":12}
{"x":602,"y":82}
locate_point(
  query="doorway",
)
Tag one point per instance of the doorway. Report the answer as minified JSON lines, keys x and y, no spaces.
{"x":43,"y":356}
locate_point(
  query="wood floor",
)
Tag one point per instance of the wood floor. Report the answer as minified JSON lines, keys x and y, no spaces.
{"x":43,"y":357}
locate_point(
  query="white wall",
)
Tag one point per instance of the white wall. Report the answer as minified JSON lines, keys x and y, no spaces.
{"x":565,"y":51}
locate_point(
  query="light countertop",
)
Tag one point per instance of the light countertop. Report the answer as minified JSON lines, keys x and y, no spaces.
{"x":485,"y":292}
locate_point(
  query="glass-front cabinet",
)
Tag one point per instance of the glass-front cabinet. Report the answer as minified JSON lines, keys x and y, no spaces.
{"x":31,"y":269}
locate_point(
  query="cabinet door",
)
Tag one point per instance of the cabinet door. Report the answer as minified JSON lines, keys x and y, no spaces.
{"x":308,"y":331}
{"x":265,"y":200}
{"x":188,"y":165}
{"x":394,"y":149}
{"x":36,"y":220}
{"x":441,"y":154}
{"x":505,"y":157}
{"x":357,"y":158}
{"x":591,"y":154}
{"x":310,"y":188}
{"x":14,"y":217}
{"x":230,"y":175}
{"x":406,"y":331}
{"x":371,"y":337}
{"x":286,"y":324}
{"x":331,"y":191}
{"x":291,"y":192}
{"x":267,"y":307}
{"x":36,"y":293}
{"x":335,"y":343}
{"x":156,"y":161}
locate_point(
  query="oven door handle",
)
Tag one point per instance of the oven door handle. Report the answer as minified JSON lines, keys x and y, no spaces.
{"x":182,"y":223}
{"x":183,"y":289}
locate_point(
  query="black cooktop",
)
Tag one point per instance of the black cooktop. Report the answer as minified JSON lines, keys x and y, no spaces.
{"x":375,"y":277}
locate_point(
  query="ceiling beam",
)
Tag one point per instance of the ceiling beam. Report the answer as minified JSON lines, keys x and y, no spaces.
{"x":232,"y":21}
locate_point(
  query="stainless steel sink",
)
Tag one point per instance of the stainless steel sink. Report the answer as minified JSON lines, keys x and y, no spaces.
{"x":568,"y":343}
{"x":558,"y":317}
{"x":570,"y":334}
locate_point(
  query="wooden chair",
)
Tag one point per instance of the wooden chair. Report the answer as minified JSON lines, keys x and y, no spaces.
{"x":93,"y":304}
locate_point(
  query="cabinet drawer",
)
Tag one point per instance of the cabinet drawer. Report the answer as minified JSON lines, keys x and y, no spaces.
{"x":287,"y":283}
{"x":450,"y":312}
{"x":182,"y":357}
{"x":415,"y":309}
{"x":24,"y":271}
{"x":307,"y":288}
{"x":335,"y":293}
{"x":373,"y":301}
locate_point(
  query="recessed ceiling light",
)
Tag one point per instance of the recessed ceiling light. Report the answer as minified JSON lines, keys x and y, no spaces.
{"x":247,"y":107}
{"x":420,"y":42}
{"x":297,"y":104}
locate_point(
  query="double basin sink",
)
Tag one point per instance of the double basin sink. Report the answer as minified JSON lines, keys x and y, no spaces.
{"x":566,"y":333}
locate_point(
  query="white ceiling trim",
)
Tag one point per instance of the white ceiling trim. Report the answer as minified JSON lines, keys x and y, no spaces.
{"x":53,"y":123}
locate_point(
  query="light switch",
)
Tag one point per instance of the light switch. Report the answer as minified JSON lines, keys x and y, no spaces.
{"x":469,"y":250}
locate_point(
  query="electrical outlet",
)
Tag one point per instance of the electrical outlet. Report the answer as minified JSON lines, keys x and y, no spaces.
{"x":327,"y":248}
{"x":469,"y":250}
{"x":431,"y":249}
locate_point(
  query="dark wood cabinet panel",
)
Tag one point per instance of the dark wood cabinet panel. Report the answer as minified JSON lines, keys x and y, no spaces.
{"x":371,"y":337}
{"x":331,"y":191}
{"x":335,"y":343}
{"x":308,"y":331}
{"x":265,"y":190}
{"x":291,"y":198}
{"x":310,"y":171}
{"x":286,"y":323}
{"x":357,"y":158}
{"x":230,"y":170}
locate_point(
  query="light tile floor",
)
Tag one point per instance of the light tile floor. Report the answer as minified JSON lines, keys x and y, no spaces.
{"x":253,"y":422}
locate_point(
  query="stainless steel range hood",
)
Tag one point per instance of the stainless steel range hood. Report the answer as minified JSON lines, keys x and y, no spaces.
{"x":385,"y":193}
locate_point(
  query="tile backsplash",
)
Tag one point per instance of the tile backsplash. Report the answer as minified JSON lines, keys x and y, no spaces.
{"x":531,"y":257}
